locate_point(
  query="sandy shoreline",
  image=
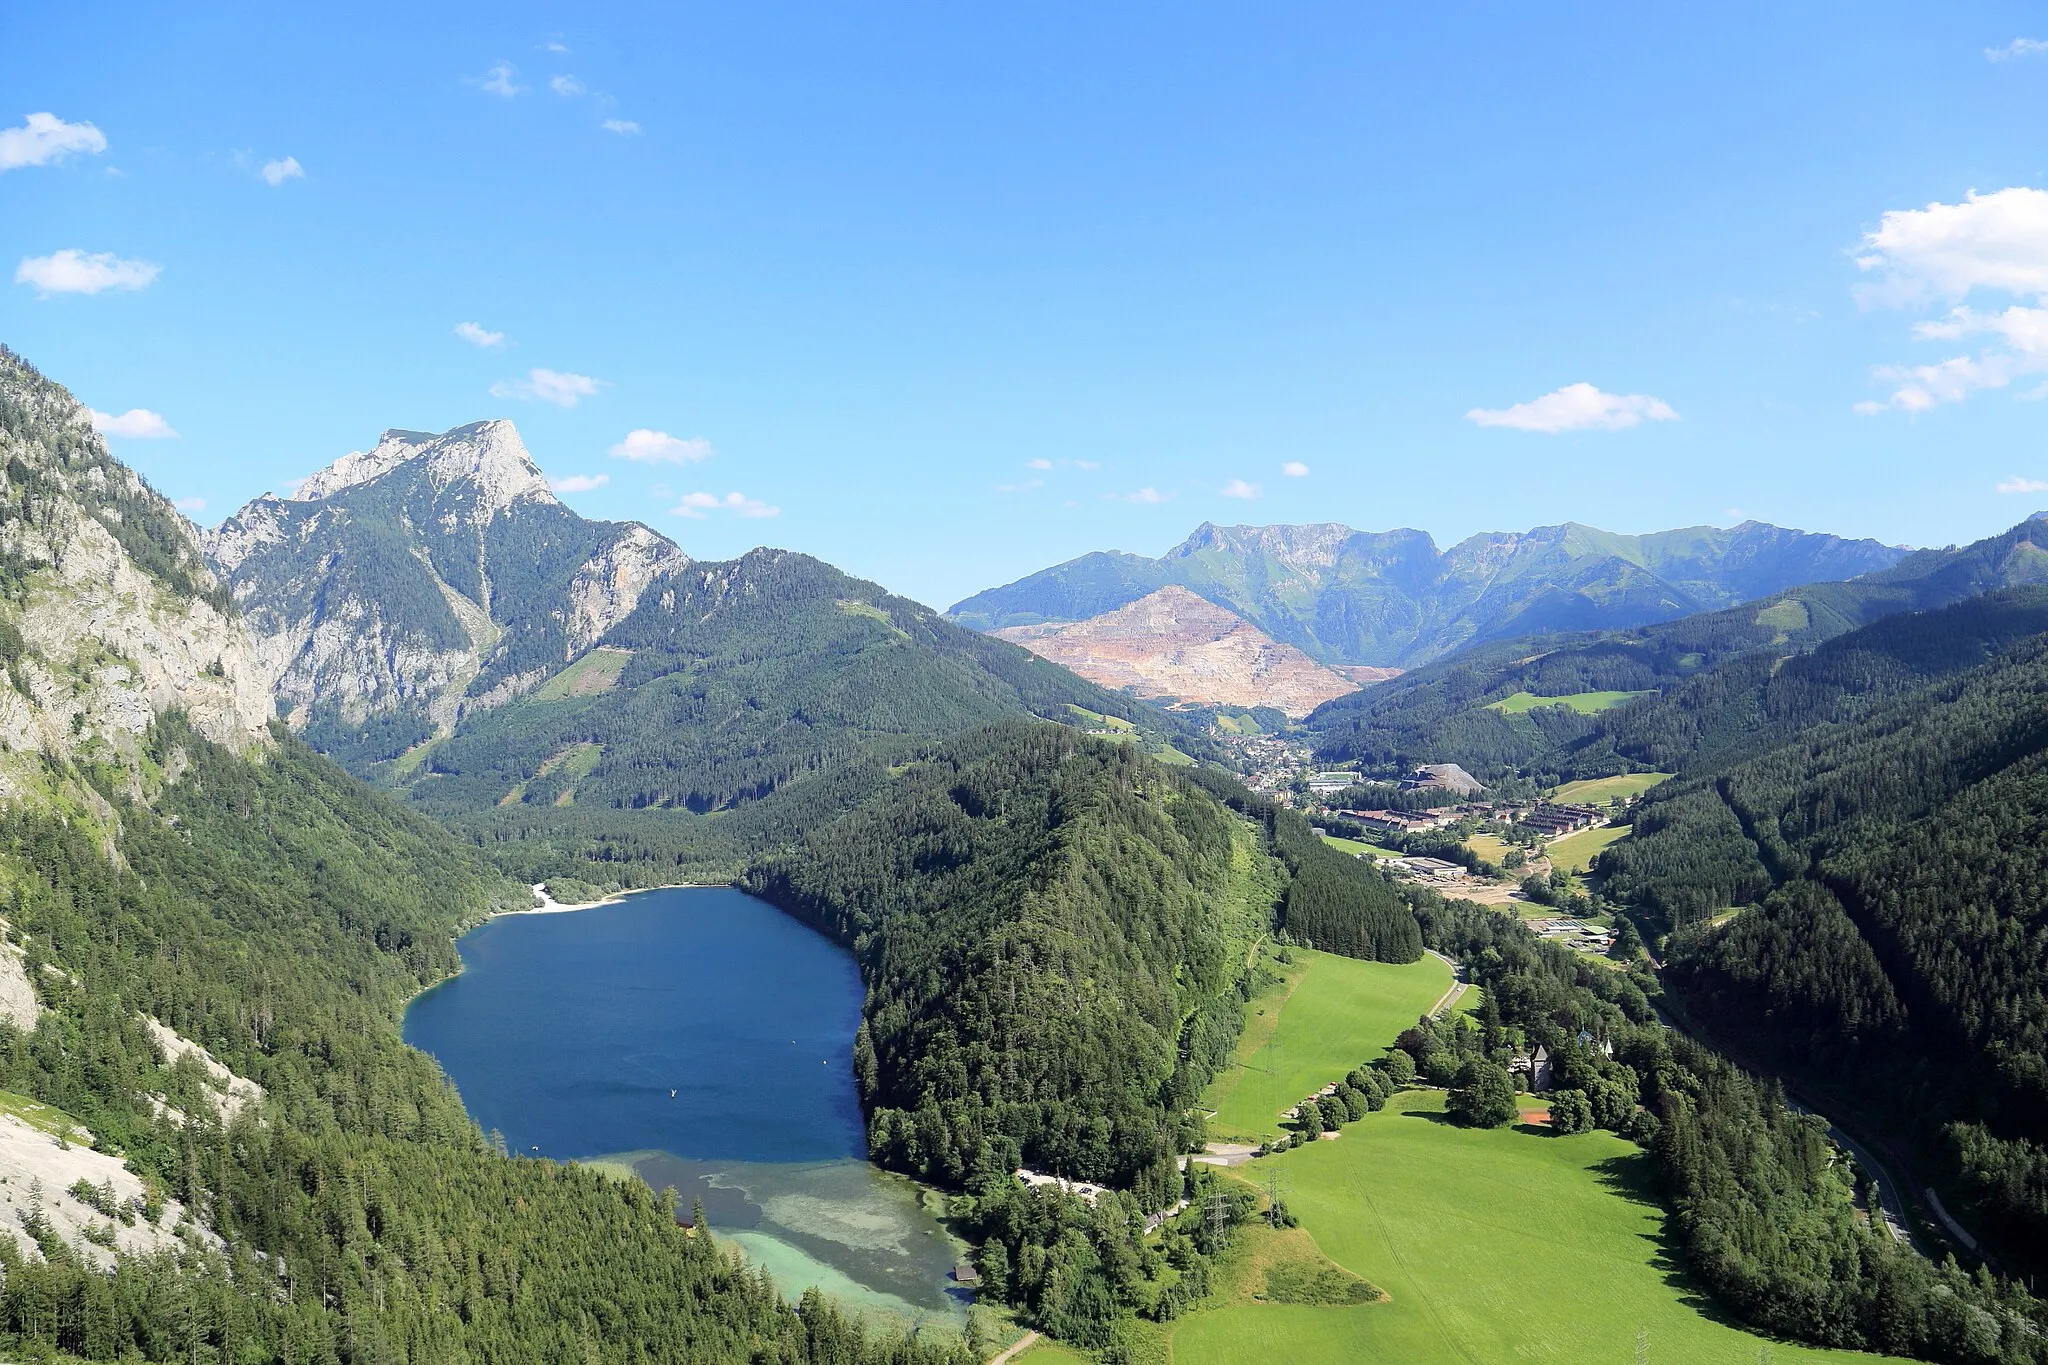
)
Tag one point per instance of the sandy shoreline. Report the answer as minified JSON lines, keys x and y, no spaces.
{"x":548,"y":905}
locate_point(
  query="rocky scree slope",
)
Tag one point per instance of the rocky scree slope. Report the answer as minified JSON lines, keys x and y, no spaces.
{"x":1393,"y":599}
{"x":402,"y":587}
{"x":1171,"y":643}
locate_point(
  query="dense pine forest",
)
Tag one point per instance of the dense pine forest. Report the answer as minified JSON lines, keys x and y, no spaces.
{"x":1895,"y":937}
{"x":281,"y":914}
{"x":1052,"y":929}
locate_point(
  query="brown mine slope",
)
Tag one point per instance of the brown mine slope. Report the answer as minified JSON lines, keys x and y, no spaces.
{"x":1171,"y":643}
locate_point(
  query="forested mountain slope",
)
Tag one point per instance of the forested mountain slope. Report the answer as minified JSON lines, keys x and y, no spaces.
{"x":402,"y":587}
{"x":739,"y":704}
{"x":169,"y":861}
{"x":1449,"y":712}
{"x":1393,"y":599}
{"x":1053,"y":931}
{"x":1894,"y":853}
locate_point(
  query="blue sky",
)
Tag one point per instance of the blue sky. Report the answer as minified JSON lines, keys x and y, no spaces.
{"x":945,"y":294}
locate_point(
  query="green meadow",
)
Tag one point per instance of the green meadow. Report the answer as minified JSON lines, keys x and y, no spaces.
{"x":1586,"y":703}
{"x":1356,"y":847}
{"x":1496,"y":1245}
{"x":1576,"y":852}
{"x":1598,"y":791}
{"x":1327,"y":1016}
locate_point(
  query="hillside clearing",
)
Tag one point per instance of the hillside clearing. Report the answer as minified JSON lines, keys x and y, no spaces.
{"x":1585,"y":703}
{"x":1327,"y":1016}
{"x":1576,"y":852}
{"x":1598,"y":791}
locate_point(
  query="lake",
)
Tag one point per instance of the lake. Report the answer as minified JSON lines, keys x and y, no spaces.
{"x":703,"y":1039}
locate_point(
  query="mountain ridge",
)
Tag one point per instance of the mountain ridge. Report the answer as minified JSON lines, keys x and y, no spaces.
{"x":1394,"y":599}
{"x":432,"y":575}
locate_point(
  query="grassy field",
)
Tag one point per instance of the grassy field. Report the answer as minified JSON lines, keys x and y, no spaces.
{"x":1491,"y":1245}
{"x":595,"y":672}
{"x":1338,"y":1013}
{"x":1576,"y":852}
{"x":1586,"y":703}
{"x":1490,"y":847}
{"x":1355,"y":847}
{"x":47,"y":1117}
{"x":1598,"y":791}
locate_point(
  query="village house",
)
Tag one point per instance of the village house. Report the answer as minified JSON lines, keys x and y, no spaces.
{"x":1534,"y":1065}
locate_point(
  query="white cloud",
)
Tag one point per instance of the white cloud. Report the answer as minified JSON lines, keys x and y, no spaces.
{"x":1988,"y":241}
{"x":698,"y":506}
{"x":624,"y":127}
{"x":502,"y":80}
{"x":1294,"y":469}
{"x":2018,"y":47}
{"x":1088,"y":465}
{"x":79,"y":272}
{"x":190,"y":504}
{"x":1576,"y":407}
{"x":579,"y":483}
{"x":549,"y":386}
{"x":476,"y":334}
{"x":45,"y":138}
{"x":2019,"y":485}
{"x":1024,"y":487}
{"x":275,"y":173}
{"x":566,"y":86}
{"x":554,"y":45}
{"x":1238,"y":488}
{"x":137,"y":424}
{"x":1040,"y":463}
{"x":658,"y":447}
{"x":1144,"y":495}
{"x":1991,"y":243}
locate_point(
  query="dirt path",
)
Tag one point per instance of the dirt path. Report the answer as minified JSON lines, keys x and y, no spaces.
{"x":1017,"y":1348}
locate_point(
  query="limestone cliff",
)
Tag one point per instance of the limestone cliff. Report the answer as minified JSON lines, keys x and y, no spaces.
{"x":433,"y":575}
{"x":109,"y":615}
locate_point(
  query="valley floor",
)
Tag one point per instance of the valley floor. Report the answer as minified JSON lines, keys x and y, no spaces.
{"x":1506,"y":1244}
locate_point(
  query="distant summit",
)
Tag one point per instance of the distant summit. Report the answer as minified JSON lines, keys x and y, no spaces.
{"x":1393,"y":599}
{"x":425,"y":577}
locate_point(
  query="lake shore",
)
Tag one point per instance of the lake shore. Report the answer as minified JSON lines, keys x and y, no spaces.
{"x":548,"y":905}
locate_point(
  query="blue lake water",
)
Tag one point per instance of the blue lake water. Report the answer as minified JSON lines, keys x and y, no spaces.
{"x":704,"y":1039}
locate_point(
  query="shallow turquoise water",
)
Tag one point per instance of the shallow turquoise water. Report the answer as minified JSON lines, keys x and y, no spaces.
{"x":703,"y":1038}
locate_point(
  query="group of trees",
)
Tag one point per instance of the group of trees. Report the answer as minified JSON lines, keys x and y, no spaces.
{"x":1081,"y":1268}
{"x":1764,"y":1206}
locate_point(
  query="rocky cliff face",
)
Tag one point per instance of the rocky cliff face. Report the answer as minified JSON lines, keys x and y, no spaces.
{"x":1172,"y":643}
{"x":429,"y":576}
{"x":109,"y":615}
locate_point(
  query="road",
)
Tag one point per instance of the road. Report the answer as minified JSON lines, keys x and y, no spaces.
{"x":1017,"y":1348}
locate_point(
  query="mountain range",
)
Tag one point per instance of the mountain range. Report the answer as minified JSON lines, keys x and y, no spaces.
{"x":1393,"y":599}
{"x":598,"y":707}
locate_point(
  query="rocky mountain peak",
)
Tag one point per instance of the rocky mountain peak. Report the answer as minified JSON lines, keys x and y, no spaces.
{"x":487,"y":454}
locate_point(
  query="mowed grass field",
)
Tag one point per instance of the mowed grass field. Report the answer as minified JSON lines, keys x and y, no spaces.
{"x":1586,"y":703}
{"x":1576,"y":852}
{"x":1331,"y":1014}
{"x":1598,"y":791}
{"x":1355,"y":847}
{"x":1497,"y":1245}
